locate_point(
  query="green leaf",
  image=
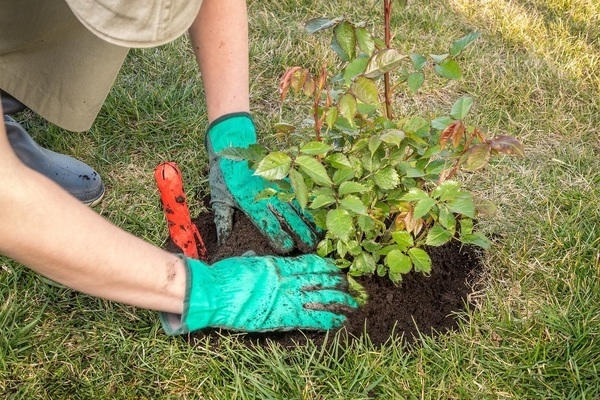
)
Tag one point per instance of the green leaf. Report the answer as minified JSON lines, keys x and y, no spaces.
{"x":346,"y":38}
{"x":463,"y":205}
{"x":466,"y":226}
{"x":342,"y":175}
{"x":335,"y":46}
{"x":321,"y":201}
{"x":324,"y":247}
{"x":420,"y":259}
{"x":315,"y":148}
{"x":339,"y":224}
{"x":461,"y":107}
{"x":366,"y":44}
{"x":459,"y":45}
{"x":419,"y":61}
{"x":357,"y":291}
{"x":352,"y":187}
{"x":366,"y":223}
{"x":423,"y":206}
{"x":477,"y":239}
{"x":347,"y":107}
{"x":365,"y":90}
{"x":393,"y":136}
{"x":374,"y":143}
{"x":331,"y":116}
{"x":338,"y":160}
{"x":438,"y":58}
{"x":448,"y":68}
{"x":239,"y":154}
{"x":319,"y":24}
{"x":314,"y":169}
{"x":387,"y":178}
{"x":446,"y":190}
{"x":414,"y":194}
{"x":274,"y":166}
{"x":383,"y":61}
{"x":364,"y":264}
{"x":355,"y":67}
{"x":441,"y":123}
{"x":403,"y":239}
{"x":446,"y":219}
{"x":415,"y":81}
{"x":353,"y":203}
{"x":299,"y":187}
{"x":438,"y":236}
{"x":398,"y":262}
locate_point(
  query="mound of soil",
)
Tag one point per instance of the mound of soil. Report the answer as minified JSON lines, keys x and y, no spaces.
{"x":420,"y":304}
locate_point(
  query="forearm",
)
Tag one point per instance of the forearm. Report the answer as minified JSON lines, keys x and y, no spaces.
{"x":49,"y":231}
{"x":219,"y":38}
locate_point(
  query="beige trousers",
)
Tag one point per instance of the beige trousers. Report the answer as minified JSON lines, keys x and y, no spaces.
{"x":53,"y":64}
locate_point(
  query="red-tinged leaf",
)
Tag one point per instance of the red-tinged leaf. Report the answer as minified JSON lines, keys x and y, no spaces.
{"x":299,"y":77}
{"x":457,"y":134}
{"x":507,"y":145}
{"x":448,"y":133}
{"x":286,"y":82}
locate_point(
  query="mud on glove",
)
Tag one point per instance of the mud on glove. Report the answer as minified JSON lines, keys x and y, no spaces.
{"x":234,"y":185}
{"x":258,"y":294}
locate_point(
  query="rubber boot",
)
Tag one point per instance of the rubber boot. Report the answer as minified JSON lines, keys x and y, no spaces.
{"x":72,"y":175}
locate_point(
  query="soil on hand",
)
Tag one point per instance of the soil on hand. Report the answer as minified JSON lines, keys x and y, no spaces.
{"x":420,"y":305}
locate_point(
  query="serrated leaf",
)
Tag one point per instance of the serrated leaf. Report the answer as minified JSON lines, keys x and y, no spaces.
{"x":353,"y":203}
{"x":339,"y":224}
{"x":299,"y":187}
{"x":387,"y":178}
{"x":507,"y":145}
{"x":415,"y":81}
{"x":365,"y":41}
{"x":342,"y":175}
{"x":338,"y":160}
{"x":331,"y":116}
{"x":324,"y":247}
{"x":398,"y":262}
{"x":319,"y":24}
{"x":477,"y":239}
{"x":366,"y":90}
{"x":441,"y":123}
{"x":366,"y":223}
{"x":423,"y":207}
{"x":352,"y":187}
{"x":321,"y":201}
{"x":484,"y":206}
{"x":446,"y":190}
{"x":438,"y":236}
{"x":418,"y":60}
{"x":347,"y":107}
{"x":421,"y":260}
{"x":265,"y":194}
{"x":335,"y":46}
{"x":315,"y":148}
{"x":374,"y":143}
{"x":393,"y":136}
{"x":460,"y":44}
{"x":446,"y":219}
{"x":314,"y":169}
{"x":463,"y":205}
{"x":448,"y":68}
{"x":346,"y":38}
{"x":383,"y":61}
{"x":466,"y":226}
{"x":274,"y":166}
{"x":414,"y":194}
{"x":403,"y":239}
{"x":461,"y":107}
{"x":282,"y":127}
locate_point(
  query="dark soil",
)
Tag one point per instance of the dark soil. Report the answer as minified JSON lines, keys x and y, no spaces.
{"x":420,"y":305}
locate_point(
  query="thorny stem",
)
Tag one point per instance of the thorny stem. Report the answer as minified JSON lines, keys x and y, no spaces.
{"x":387,"y":14}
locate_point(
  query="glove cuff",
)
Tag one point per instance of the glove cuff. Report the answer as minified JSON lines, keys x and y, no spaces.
{"x":231,"y":130}
{"x":177,"y":324}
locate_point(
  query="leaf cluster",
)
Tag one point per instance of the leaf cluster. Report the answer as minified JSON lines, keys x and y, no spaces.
{"x":381,"y":188}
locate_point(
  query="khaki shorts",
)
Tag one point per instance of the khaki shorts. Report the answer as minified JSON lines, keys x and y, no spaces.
{"x":53,"y":64}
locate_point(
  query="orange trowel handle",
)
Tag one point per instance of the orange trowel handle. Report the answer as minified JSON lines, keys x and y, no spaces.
{"x":181,"y":229}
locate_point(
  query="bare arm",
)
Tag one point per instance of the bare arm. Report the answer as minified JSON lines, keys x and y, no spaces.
{"x":220,"y":39}
{"x":49,"y":231}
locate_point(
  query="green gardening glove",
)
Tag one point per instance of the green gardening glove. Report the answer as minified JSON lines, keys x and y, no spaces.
{"x":234,"y":185}
{"x":258,"y":294}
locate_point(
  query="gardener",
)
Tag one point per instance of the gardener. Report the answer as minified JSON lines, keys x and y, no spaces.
{"x":60,"y":59}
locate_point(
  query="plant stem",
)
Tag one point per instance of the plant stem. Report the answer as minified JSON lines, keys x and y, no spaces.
{"x":387,"y":14}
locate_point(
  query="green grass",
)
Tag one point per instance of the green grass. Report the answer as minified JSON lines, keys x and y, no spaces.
{"x":534,"y":332}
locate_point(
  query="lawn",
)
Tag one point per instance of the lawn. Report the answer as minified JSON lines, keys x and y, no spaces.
{"x":534,"y":332}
